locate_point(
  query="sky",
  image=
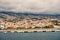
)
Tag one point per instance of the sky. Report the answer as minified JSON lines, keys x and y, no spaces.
{"x":34,"y":6}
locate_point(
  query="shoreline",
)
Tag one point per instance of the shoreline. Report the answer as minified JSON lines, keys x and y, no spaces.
{"x":30,"y":30}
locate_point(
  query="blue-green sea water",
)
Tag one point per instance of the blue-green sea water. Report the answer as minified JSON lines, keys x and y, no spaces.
{"x":30,"y":36}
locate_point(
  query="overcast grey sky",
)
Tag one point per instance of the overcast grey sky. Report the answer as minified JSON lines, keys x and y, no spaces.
{"x":50,"y":6}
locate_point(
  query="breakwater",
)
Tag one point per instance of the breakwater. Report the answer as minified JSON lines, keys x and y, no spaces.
{"x":31,"y":30}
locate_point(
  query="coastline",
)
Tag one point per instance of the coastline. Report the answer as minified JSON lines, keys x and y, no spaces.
{"x":30,"y":30}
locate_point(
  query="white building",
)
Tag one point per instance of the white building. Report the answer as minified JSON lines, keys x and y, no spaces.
{"x":2,"y":26}
{"x":55,"y":26}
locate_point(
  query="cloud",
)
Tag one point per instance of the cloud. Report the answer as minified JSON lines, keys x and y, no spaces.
{"x":30,"y":5}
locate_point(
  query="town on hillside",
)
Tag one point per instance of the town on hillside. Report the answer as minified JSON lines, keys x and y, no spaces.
{"x":28,"y":22}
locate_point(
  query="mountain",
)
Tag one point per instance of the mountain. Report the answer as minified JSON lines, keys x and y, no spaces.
{"x":27,"y":14}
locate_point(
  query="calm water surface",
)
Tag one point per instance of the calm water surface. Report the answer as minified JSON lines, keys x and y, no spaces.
{"x":30,"y":36}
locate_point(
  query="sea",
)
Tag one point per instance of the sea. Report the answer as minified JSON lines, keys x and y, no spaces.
{"x":30,"y":36}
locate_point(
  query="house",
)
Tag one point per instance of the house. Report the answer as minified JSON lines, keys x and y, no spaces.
{"x":55,"y":26}
{"x":2,"y":26}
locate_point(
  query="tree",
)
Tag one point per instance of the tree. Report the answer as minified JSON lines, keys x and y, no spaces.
{"x":49,"y":26}
{"x":37,"y":27}
{"x":10,"y":28}
{"x":18,"y":28}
